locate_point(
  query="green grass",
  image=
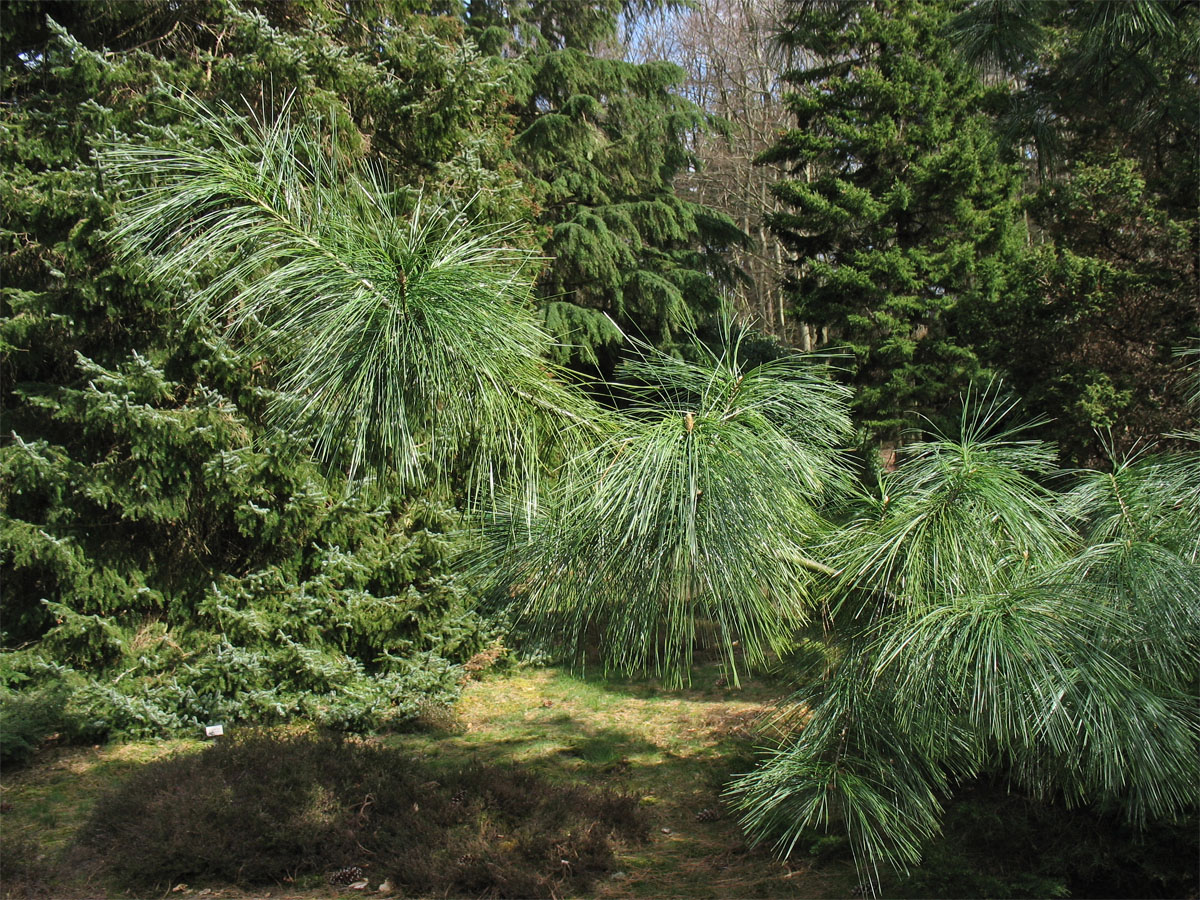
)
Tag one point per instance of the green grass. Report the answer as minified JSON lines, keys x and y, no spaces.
{"x":673,"y":750}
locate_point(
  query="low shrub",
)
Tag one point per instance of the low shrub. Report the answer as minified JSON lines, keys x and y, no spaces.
{"x":346,"y":648}
{"x":270,"y":806}
{"x":35,"y":711}
{"x":300,"y":599}
{"x":26,"y":719}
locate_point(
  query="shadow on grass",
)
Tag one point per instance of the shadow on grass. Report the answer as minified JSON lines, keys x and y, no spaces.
{"x":708,"y":682}
{"x":547,"y":739}
{"x":273,"y":806}
{"x":499,"y":800}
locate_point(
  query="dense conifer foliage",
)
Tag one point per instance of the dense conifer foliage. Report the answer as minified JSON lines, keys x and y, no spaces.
{"x":966,"y":179}
{"x":163,"y":519}
{"x":1100,"y":99}
{"x":899,"y":207}
{"x":291,"y":286}
{"x":600,"y":141}
{"x":172,"y":556}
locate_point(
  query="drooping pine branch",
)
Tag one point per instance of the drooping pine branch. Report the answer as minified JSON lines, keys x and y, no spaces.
{"x":404,"y":341}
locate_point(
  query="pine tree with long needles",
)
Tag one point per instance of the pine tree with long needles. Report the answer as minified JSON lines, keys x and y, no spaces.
{"x":402,"y":336}
{"x":982,"y":621}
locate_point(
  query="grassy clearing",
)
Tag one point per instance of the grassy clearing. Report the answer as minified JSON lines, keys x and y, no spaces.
{"x":673,"y":750}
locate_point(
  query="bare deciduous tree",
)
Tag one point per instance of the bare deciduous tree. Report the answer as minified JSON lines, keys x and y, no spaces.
{"x":735,"y":70}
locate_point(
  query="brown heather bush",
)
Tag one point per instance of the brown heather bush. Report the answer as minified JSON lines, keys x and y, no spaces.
{"x":482,"y":661}
{"x":438,"y":717}
{"x":263,"y":807}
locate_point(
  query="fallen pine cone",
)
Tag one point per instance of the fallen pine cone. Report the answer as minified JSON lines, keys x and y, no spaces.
{"x":346,"y":876}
